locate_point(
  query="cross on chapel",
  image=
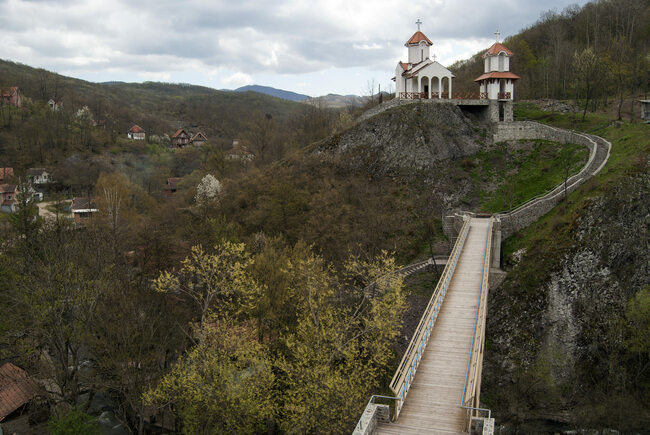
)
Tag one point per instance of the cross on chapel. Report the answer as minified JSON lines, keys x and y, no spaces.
{"x":419,"y":23}
{"x":497,"y":34}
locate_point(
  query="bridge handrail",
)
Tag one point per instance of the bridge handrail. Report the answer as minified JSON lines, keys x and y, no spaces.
{"x":401,"y":381}
{"x":472,"y":387}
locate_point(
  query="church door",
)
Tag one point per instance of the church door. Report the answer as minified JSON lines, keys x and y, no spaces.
{"x":426,"y":91}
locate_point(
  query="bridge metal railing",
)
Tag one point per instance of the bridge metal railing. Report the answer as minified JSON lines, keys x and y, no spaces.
{"x":405,"y":373}
{"x":472,"y":388}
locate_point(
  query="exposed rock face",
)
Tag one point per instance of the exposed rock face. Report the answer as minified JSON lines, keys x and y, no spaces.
{"x":558,"y":349}
{"x":412,"y":137}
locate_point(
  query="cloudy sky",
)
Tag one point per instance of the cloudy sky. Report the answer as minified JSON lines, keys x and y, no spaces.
{"x":313,"y":47}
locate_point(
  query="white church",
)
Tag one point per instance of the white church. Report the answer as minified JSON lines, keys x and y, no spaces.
{"x":421,"y":77}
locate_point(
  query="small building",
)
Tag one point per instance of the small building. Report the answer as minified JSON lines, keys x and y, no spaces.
{"x":11,"y":96}
{"x":16,"y":389}
{"x":38,"y":176}
{"x":239,"y":152}
{"x":136,"y":133}
{"x":8,"y":194}
{"x":55,"y":105}
{"x":180,"y":138}
{"x":199,"y":139}
{"x":172,"y":185}
{"x":421,"y":77}
{"x":83,"y":208}
{"x":6,"y":174}
{"x":497,"y":82}
{"x":645,"y":110}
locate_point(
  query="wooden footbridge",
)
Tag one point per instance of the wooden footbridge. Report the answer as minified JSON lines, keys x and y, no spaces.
{"x":444,"y":396}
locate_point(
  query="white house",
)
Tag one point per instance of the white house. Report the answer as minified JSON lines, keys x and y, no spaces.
{"x":497,"y":82}
{"x":136,"y":133}
{"x":421,"y":77}
{"x":39,"y":176}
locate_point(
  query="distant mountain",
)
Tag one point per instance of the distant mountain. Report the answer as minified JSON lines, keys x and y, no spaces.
{"x":279,"y":93}
{"x":336,"y":101}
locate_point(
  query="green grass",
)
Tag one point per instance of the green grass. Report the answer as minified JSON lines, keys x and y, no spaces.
{"x":630,"y":151}
{"x":520,"y":175}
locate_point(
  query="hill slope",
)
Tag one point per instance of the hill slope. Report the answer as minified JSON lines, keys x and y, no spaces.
{"x":279,"y":93}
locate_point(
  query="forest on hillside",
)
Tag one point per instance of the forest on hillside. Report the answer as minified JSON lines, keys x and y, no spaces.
{"x":238,"y":301}
{"x":596,"y":53}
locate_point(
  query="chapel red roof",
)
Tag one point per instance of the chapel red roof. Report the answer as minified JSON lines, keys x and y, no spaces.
{"x":419,"y":37}
{"x":497,"y":48}
{"x":405,"y":66}
{"x":136,"y":129}
{"x":497,"y":75}
{"x":16,"y":389}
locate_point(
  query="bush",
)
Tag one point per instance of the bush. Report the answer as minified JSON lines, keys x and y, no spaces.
{"x":72,"y":422}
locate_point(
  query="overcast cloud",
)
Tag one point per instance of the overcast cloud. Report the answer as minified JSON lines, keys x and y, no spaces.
{"x":314,"y":47}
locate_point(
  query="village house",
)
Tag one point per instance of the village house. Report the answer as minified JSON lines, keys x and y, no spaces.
{"x":55,"y":105}
{"x":136,"y":133}
{"x":6,"y":174}
{"x":199,"y":139}
{"x":421,"y":77}
{"x":83,"y":208}
{"x":8,"y":194}
{"x":16,"y":389}
{"x":239,"y":152}
{"x":11,"y":96}
{"x":180,"y":138}
{"x":172,"y":185}
{"x":38,"y":176}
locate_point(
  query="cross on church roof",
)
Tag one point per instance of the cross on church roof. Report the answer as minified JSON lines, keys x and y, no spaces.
{"x":418,"y":22}
{"x":434,"y":57}
{"x":497,"y":34}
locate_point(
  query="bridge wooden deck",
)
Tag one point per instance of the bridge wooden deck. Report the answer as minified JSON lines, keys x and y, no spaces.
{"x":433,"y":402}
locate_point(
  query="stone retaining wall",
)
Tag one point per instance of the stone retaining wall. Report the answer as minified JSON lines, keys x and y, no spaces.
{"x":529,"y":212}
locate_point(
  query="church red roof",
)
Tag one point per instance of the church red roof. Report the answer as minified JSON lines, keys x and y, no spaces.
{"x":497,"y":48}
{"x":419,"y":37}
{"x":497,"y":75}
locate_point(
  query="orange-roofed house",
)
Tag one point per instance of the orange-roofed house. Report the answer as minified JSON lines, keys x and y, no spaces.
{"x":497,"y":82}
{"x":421,"y":76}
{"x":136,"y":133}
{"x":6,"y":174}
{"x":11,"y":96}
{"x":180,"y":138}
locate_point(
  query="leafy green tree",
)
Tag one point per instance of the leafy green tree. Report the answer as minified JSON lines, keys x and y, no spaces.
{"x":224,"y":384}
{"x":216,"y":282}
{"x":587,"y":69}
{"x":341,"y":345}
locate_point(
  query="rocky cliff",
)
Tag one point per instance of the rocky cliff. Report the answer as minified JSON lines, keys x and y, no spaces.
{"x":406,"y":138}
{"x":559,"y":328}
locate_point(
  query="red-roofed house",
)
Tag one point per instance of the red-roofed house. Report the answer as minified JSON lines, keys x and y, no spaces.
{"x":136,"y":132}
{"x":16,"y":389}
{"x":8,"y":194}
{"x":11,"y":96}
{"x":5,"y":174}
{"x":421,"y":77}
{"x":180,"y":138}
{"x":83,"y":208}
{"x":497,"y":82}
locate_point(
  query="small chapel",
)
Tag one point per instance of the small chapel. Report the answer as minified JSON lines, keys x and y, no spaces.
{"x":421,"y":77}
{"x":497,"y":82}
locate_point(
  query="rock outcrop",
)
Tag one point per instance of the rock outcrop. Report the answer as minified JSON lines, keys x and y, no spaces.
{"x":406,"y":138}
